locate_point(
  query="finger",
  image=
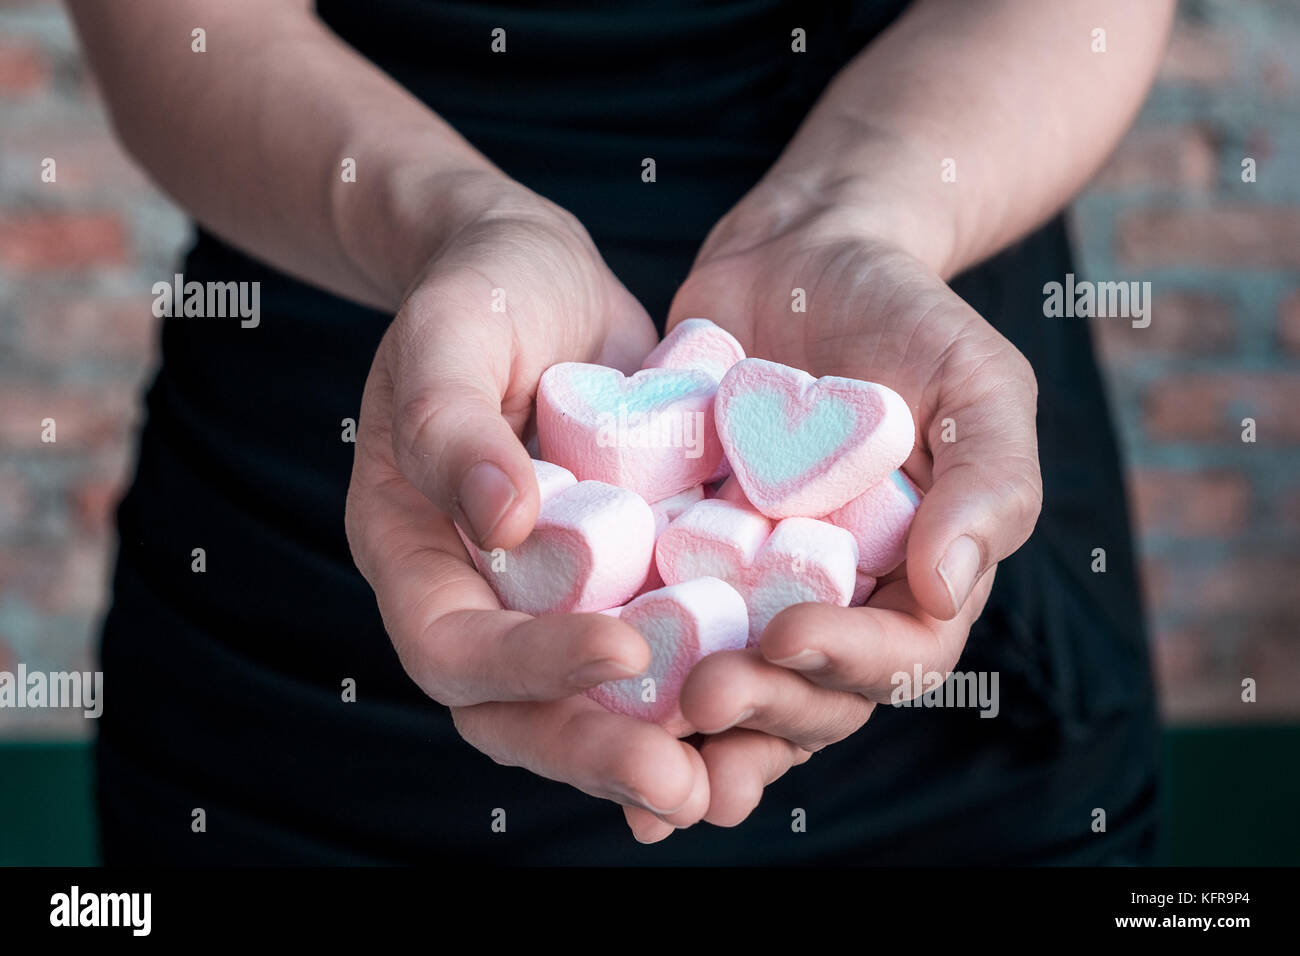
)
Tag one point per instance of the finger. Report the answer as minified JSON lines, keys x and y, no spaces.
{"x":987,"y":490}
{"x":741,"y":764}
{"x":741,"y":689}
{"x":646,"y":827}
{"x":607,"y":755}
{"x":865,"y":649}
{"x":455,"y":422}
{"x":447,"y":625}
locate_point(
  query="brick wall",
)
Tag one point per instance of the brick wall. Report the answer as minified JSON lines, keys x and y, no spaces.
{"x":1218,"y":518}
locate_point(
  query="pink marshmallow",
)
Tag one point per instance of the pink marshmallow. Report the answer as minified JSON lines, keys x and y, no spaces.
{"x":799,"y":560}
{"x":652,"y":433}
{"x":698,"y":344}
{"x":670,"y":509}
{"x":590,"y":550}
{"x":666,"y":512}
{"x":863,"y":585}
{"x":879,"y":519}
{"x":801,"y":446}
{"x":730,"y":490}
{"x":682,"y":623}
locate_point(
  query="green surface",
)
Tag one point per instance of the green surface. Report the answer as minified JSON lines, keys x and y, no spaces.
{"x":1231,"y":796}
{"x":1230,"y":799}
{"x":47,"y":804}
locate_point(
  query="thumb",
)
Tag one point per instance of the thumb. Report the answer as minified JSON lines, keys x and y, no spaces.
{"x":987,"y":489}
{"x":456,"y":423}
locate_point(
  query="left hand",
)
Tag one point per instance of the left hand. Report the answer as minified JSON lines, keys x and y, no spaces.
{"x":873,"y":312}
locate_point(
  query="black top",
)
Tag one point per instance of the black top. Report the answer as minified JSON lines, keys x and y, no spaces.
{"x":226,"y":685}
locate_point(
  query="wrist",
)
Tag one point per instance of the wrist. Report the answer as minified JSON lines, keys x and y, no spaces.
{"x":868,"y":190}
{"x":391,"y":233}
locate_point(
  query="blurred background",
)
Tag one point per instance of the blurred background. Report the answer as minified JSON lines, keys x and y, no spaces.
{"x":1218,"y":519}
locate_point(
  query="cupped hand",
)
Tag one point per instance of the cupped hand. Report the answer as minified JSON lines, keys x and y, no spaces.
{"x":516,"y":288}
{"x":873,"y":312}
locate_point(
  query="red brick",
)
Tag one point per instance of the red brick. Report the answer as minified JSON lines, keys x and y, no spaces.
{"x":1190,"y":504}
{"x":69,"y":577}
{"x":56,"y":240}
{"x":1182,"y":323}
{"x":23,"y":69}
{"x":1164,"y":156}
{"x":88,"y":159}
{"x":94,"y":501}
{"x":1275,"y":76}
{"x":1257,"y":237}
{"x":1288,"y":512}
{"x":1210,"y":407}
{"x":15,"y":501}
{"x":1288,"y":323}
{"x":1198,"y":56}
{"x":84,"y":417}
{"x":1180,"y":656}
{"x":1258,"y":145}
{"x":1155,"y":581}
{"x":65,"y":330}
{"x":1255,"y":582}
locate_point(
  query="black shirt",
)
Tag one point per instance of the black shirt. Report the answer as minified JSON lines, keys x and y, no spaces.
{"x":227,"y":685}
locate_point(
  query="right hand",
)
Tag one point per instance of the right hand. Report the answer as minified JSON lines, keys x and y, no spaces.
{"x":449,"y":393}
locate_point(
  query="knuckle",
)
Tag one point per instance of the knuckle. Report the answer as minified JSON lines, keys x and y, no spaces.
{"x":473,"y":725}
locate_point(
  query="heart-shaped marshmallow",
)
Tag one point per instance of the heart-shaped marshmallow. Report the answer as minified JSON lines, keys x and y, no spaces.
{"x":666,"y":512}
{"x":799,"y":560}
{"x":652,"y":433}
{"x":879,"y":519}
{"x":591,"y":549}
{"x":697,"y":344}
{"x":701,"y":345}
{"x":801,"y":446}
{"x":682,"y":623}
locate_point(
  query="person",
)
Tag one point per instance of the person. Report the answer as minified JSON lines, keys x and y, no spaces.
{"x":304,"y":666}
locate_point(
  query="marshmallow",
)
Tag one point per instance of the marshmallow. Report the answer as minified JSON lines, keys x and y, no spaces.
{"x":591,"y":548}
{"x":670,"y":509}
{"x":801,"y":446}
{"x":799,"y":560}
{"x":879,"y":519}
{"x":697,"y":344}
{"x":730,"y":490}
{"x":863,"y":585}
{"x":682,"y":624}
{"x":666,"y":512}
{"x":652,"y":433}
{"x":701,"y":345}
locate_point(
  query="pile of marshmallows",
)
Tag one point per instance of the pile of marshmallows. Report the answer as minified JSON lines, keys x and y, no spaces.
{"x":810,"y":504}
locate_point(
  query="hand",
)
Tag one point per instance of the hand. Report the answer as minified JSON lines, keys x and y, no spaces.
{"x":450,"y":391}
{"x":874,"y":312}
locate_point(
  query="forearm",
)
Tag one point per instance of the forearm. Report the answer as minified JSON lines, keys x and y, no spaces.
{"x":1009,"y":90}
{"x":250,"y":137}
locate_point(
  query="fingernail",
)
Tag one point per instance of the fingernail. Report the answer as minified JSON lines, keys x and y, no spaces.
{"x":958,"y":569}
{"x":740,"y":719}
{"x":809,"y":660}
{"x":635,"y":799}
{"x":597,"y":672}
{"x":486,"y":494}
